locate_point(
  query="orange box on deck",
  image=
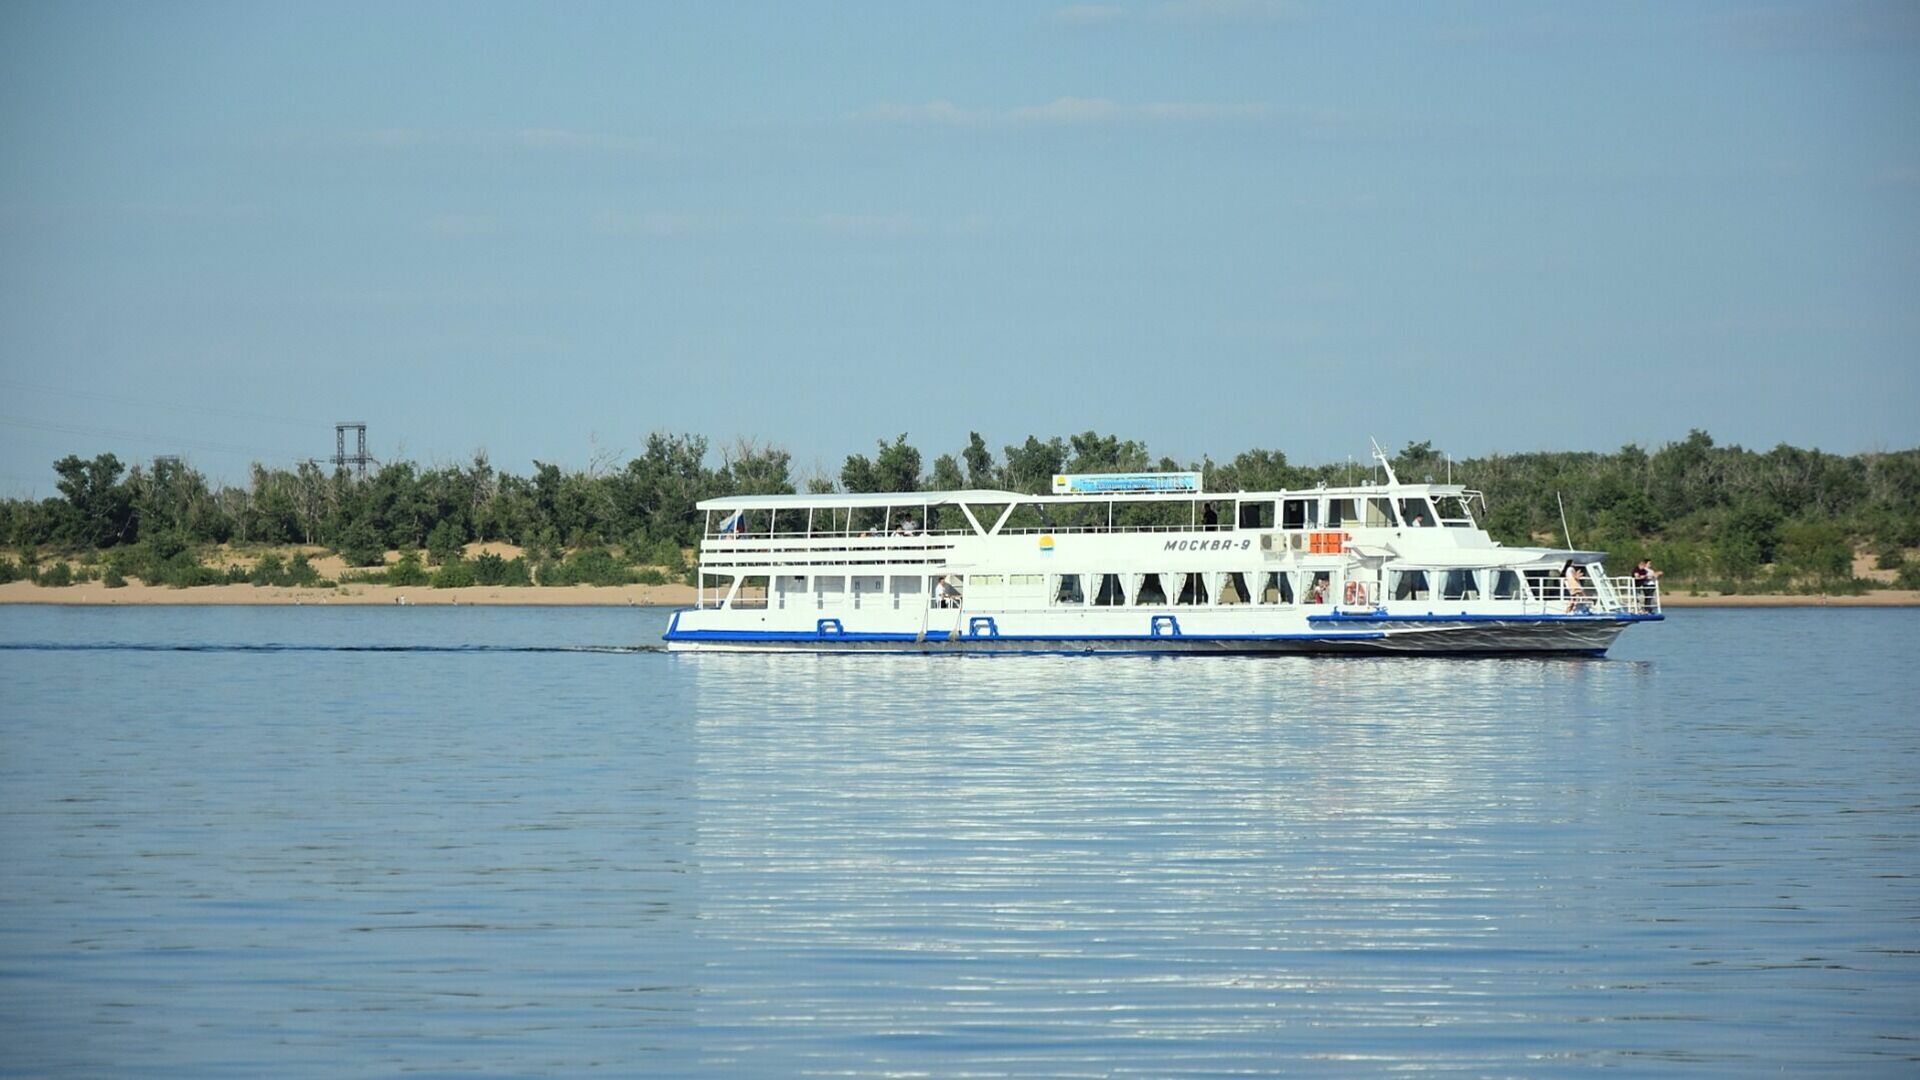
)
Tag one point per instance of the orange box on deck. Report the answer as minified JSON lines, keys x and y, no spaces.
{"x":1326,"y":543}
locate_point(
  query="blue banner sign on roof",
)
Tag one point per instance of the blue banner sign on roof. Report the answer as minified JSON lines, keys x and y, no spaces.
{"x":1117,"y":483}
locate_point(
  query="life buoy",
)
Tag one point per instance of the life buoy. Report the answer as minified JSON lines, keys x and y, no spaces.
{"x":1355,"y":594}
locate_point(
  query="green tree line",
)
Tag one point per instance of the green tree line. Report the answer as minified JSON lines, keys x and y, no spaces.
{"x":1715,"y":515}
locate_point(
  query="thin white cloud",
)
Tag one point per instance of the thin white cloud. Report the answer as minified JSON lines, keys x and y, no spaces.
{"x":933,"y":112}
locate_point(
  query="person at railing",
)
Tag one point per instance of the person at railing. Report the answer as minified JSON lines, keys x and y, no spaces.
{"x":944,"y":594}
{"x":907,"y":528}
{"x":1646,"y":585}
{"x":1576,"y":593}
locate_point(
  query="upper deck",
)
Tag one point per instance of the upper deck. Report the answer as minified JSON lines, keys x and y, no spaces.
{"x":991,"y":512}
{"x":939,"y":530}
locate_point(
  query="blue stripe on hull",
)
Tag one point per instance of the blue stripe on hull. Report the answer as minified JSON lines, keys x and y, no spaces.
{"x":1536,"y":635}
{"x":944,"y":637}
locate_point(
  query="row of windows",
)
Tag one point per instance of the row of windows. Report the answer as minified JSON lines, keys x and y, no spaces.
{"x":897,"y":592}
{"x":1374,"y":512}
{"x":1458,"y":584}
{"x":1272,"y":587}
{"x":1192,"y":589}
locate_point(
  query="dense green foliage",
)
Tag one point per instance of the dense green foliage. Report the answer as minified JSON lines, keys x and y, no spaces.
{"x":1719,"y":515}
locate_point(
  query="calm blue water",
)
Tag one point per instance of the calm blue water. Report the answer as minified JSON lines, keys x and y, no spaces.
{"x":1698,"y":857}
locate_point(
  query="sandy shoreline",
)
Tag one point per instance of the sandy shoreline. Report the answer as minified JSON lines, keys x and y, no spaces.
{"x":96,"y":594}
{"x":1879,"y":598}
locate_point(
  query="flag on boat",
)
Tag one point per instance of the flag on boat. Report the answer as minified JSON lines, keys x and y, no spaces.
{"x":734,"y":523}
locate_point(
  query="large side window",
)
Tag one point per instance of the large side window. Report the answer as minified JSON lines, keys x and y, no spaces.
{"x":1025,"y":591}
{"x":1408,"y":584}
{"x":1453,"y":512}
{"x":1506,"y":586}
{"x":1148,"y":590}
{"x":1256,"y":514}
{"x":946,"y":590}
{"x":1300,"y":513}
{"x":829,"y":591}
{"x":789,"y":590}
{"x":1193,"y":589}
{"x":905,"y":592}
{"x":1460,"y":585}
{"x":1233,"y":589}
{"x":1110,"y":592}
{"x":1416,"y":513}
{"x":1066,"y":591}
{"x":753,"y":592}
{"x":1278,"y":588}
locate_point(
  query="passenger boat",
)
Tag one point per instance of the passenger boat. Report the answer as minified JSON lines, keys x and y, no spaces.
{"x":1143,"y":563}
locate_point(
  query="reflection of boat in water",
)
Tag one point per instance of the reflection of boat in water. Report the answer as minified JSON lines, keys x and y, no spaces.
{"x":1143,"y":562}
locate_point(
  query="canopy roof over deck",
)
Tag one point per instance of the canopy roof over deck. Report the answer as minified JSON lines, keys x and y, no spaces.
{"x":989,"y":496}
{"x":841,"y":500}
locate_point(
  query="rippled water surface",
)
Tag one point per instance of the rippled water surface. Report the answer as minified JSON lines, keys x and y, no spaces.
{"x":237,"y":843}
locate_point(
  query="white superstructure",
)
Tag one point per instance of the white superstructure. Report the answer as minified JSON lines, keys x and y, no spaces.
{"x":1143,"y":562}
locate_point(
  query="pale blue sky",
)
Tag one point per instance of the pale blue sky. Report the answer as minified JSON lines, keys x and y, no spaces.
{"x":546,"y":230}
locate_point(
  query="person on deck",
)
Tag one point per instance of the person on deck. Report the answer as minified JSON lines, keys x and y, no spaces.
{"x":1576,"y":593}
{"x":945,"y":595}
{"x":1645,"y":585}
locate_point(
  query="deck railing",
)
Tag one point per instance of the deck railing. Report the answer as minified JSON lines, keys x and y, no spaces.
{"x":1620,"y":594}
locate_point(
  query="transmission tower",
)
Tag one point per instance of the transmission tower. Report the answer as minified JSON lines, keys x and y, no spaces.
{"x":359,"y":458}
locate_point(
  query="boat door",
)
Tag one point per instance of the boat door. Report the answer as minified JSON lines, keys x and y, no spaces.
{"x":1360,"y":587}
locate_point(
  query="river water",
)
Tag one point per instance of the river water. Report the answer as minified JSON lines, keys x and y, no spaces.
{"x":324,"y":842}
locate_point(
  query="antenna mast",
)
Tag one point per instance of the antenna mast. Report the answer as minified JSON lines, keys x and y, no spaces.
{"x":1381,"y":456}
